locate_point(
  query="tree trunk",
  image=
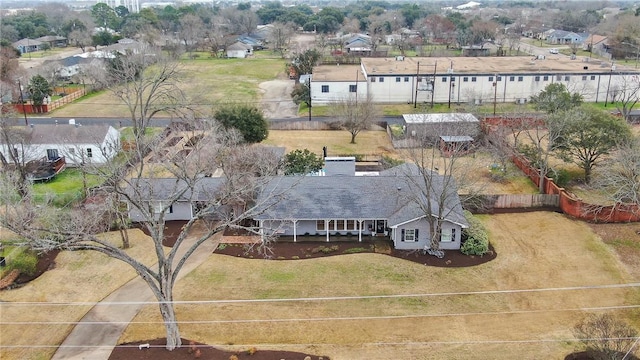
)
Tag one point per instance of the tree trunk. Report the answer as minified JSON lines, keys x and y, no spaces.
{"x":353,"y":138}
{"x":171,"y":326}
{"x":587,"y":174}
{"x":435,"y":235}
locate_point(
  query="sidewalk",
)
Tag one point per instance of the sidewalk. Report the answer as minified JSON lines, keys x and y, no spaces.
{"x":96,"y":341}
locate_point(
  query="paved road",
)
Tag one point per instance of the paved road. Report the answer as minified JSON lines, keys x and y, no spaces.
{"x":160,"y":122}
{"x":92,"y":341}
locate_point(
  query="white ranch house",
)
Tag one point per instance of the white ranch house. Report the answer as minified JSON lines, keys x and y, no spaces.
{"x":322,"y":208}
{"x":77,"y":144}
{"x":465,"y":79}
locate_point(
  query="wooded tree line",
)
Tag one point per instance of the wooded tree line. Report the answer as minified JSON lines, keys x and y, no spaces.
{"x":209,"y":27}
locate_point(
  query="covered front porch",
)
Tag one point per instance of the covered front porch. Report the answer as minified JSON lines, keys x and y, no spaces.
{"x":326,"y":229}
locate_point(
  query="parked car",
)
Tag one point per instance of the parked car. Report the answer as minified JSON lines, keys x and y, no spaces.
{"x":553,"y":51}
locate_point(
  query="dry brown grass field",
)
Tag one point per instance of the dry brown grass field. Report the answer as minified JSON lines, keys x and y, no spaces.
{"x":80,"y":276}
{"x":539,"y":250}
{"x":378,"y":143}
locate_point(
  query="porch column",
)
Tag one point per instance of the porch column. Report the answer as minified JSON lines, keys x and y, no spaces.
{"x":326,"y":227}
{"x":360,"y":230}
{"x":261,"y":230}
{"x":295,"y":236}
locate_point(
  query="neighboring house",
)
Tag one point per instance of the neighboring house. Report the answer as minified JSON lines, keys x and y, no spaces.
{"x":564,"y":37}
{"x":463,"y":79}
{"x":70,"y":66}
{"x":436,"y":125}
{"x":53,"y":40}
{"x":598,"y":45}
{"x":77,"y":144}
{"x":27,"y":45}
{"x":475,"y":50}
{"x":239,"y":50}
{"x":254,"y":43}
{"x":385,"y":206}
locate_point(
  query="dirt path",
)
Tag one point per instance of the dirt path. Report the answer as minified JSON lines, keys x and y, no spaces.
{"x":276,"y":99}
{"x":95,"y":336}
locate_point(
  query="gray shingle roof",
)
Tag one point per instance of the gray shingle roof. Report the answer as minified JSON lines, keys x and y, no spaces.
{"x":393,"y":195}
{"x":65,"y":134}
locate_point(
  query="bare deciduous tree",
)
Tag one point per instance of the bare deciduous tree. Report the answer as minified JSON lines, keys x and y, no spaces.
{"x":355,"y":114}
{"x":280,"y":37}
{"x":626,"y":94}
{"x":191,"y":31}
{"x":606,"y":337}
{"x":146,"y":81}
{"x":620,"y":177}
{"x":215,"y":203}
{"x":442,"y":176}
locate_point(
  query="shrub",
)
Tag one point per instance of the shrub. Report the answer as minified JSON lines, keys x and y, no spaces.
{"x":477,"y":242}
{"x":561,"y":177}
{"x":222,"y":246}
{"x":355,"y":250}
{"x":25,"y":261}
{"x":252,"y":351}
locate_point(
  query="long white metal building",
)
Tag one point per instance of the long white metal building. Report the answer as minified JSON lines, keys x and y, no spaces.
{"x":467,"y":79}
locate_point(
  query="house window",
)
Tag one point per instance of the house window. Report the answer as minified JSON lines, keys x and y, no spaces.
{"x":444,"y":79}
{"x":512,"y":78}
{"x":584,"y":77}
{"x":537,"y":78}
{"x":520,"y":78}
{"x":320,"y":225}
{"x":490,"y":78}
{"x":406,"y":79}
{"x":351,"y":225}
{"x":409,"y":235}
{"x":558,"y":77}
{"x":325,"y":88}
{"x":340,"y":225}
{"x":381,"y":79}
{"x":52,"y":154}
{"x":353,"y":88}
{"x":15,"y":152}
{"x":448,"y":236}
{"x":373,"y":79}
{"x":465,"y":79}
{"x":567,"y":78}
{"x":593,"y":77}
{"x":545,"y":78}
{"x":499,"y":78}
{"x":452,"y":78}
{"x":89,"y":152}
{"x":170,"y":209}
{"x":398,"y":79}
{"x":473,"y":79}
{"x":332,"y":225}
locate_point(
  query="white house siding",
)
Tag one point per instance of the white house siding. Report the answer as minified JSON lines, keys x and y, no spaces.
{"x":101,"y":150}
{"x":587,"y":78}
{"x":424,"y":235}
{"x":239,"y":54}
{"x":180,"y":210}
{"x":337,"y":91}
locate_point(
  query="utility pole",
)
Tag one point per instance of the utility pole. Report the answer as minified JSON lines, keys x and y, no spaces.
{"x":24,"y":109}
{"x":415,"y":99}
{"x":613,"y":67}
{"x":495,"y":92}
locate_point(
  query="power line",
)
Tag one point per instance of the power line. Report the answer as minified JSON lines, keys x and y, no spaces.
{"x":328,"y":298}
{"x":337,"y":318}
{"x":272,"y":345}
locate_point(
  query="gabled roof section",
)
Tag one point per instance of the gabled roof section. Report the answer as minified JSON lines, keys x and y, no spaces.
{"x":66,"y":134}
{"x":395,"y":195}
{"x":165,"y":189}
{"x":27,"y":42}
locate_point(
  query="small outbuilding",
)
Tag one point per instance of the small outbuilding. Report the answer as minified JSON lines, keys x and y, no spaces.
{"x":431,"y":127}
{"x":239,"y":50}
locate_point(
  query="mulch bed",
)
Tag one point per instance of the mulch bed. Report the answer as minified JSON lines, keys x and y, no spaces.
{"x":46,"y":261}
{"x":585,"y":355}
{"x":156,"y":351}
{"x":284,"y":250}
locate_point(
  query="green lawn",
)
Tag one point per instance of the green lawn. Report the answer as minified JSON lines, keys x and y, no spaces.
{"x":65,"y":188}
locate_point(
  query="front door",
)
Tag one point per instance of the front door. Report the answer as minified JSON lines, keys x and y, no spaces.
{"x":380,"y":224}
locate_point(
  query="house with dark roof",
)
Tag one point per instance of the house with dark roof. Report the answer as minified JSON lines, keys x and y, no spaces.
{"x":389,"y":205}
{"x":27,"y":45}
{"x":53,"y":40}
{"x":77,"y":144}
{"x":328,"y":208}
{"x":565,"y":37}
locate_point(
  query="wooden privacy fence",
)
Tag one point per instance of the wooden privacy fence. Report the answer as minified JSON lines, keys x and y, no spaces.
{"x":512,"y":202}
{"x":45,"y":108}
